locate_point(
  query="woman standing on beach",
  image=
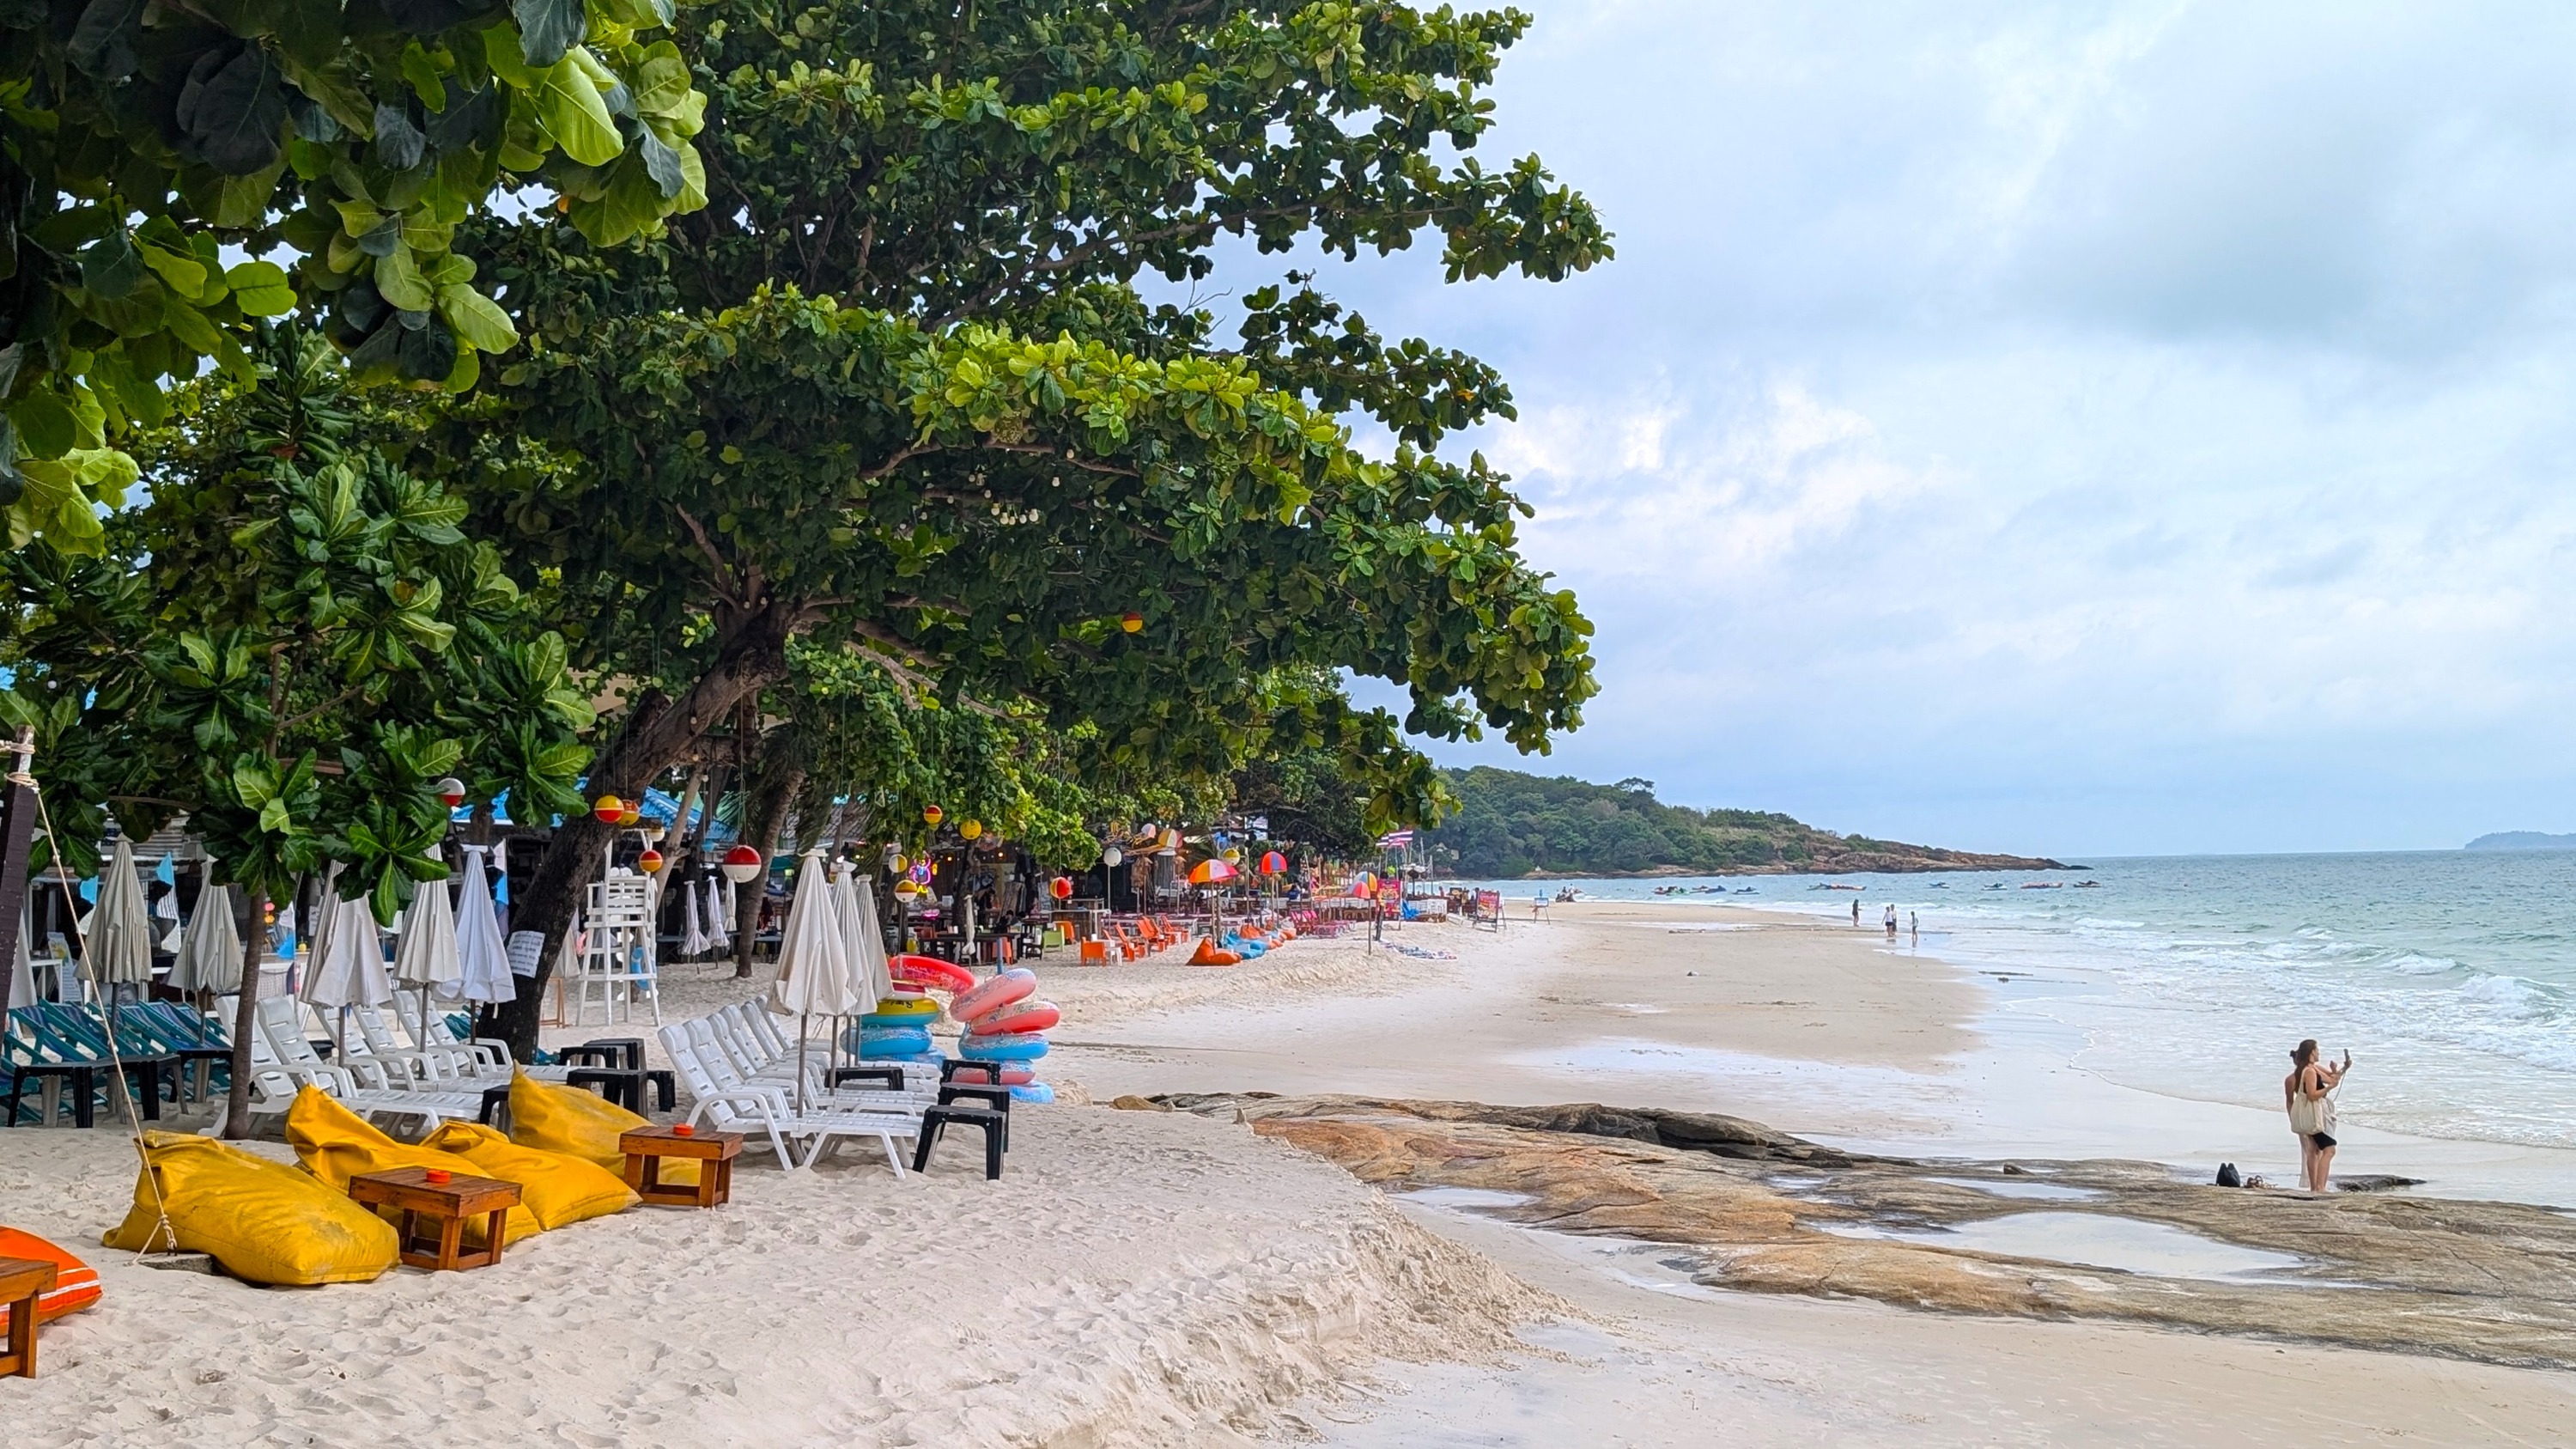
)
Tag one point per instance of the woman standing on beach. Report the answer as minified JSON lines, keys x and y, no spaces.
{"x":2309,"y":1093}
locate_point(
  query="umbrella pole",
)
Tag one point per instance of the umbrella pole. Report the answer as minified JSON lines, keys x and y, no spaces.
{"x":804,"y":1024}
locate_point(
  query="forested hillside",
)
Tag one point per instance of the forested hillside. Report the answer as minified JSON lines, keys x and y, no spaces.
{"x":1511,"y":824}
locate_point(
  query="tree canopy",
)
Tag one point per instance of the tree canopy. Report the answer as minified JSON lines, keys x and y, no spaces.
{"x":898,"y":387}
{"x":290,"y":645}
{"x":139,"y":142}
{"x":852,"y":424}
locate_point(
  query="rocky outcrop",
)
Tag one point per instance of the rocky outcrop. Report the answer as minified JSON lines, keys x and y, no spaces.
{"x":1758,"y":1210}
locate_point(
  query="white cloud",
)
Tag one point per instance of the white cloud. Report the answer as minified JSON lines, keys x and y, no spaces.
{"x":2113,"y":426}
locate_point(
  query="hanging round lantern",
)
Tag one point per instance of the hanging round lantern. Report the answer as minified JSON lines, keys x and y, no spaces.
{"x":742,"y":863}
{"x":1132,"y":622}
{"x":628,"y":816}
{"x":1061,"y":888}
{"x":897,"y":863}
{"x":1234,"y":855}
{"x":1273,"y":863}
{"x":970,"y":829}
{"x":931,"y":815}
{"x":607,"y":808}
{"x":1113,"y":857}
{"x":452,"y":790}
{"x":650,"y":862}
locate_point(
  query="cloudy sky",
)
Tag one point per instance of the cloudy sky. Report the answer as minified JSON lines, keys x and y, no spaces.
{"x":2087,"y":429}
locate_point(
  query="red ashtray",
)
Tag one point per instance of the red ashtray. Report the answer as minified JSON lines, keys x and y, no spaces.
{"x":684,"y":1130}
{"x":436,"y":1176}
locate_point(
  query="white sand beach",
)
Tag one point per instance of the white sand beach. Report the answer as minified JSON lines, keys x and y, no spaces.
{"x":1150,"y":1277}
{"x":1135,"y":1279}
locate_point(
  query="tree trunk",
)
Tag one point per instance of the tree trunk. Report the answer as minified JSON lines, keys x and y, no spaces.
{"x":764,"y":815}
{"x":678,"y":829}
{"x":658,"y":731}
{"x":246,"y":1018}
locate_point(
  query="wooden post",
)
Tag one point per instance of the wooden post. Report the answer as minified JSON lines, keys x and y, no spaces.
{"x":17,"y":831}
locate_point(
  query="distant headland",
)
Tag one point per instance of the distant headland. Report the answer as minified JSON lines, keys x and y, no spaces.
{"x":1510,"y":824}
{"x":2522,"y":840}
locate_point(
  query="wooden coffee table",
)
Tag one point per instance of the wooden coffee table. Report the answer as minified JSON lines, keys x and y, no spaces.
{"x":445,"y":1206}
{"x":715,"y":1151}
{"x":22,"y":1282}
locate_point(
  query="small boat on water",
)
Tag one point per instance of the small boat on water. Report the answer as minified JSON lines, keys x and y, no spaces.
{"x":2088,"y":885}
{"x":2043,"y":885}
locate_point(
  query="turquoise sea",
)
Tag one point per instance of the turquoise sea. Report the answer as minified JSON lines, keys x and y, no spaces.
{"x":2451,"y":975}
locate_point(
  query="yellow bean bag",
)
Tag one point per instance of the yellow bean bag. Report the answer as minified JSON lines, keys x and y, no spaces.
{"x":558,"y":1188}
{"x":581,"y":1124}
{"x":264,"y":1221}
{"x":336,"y":1144}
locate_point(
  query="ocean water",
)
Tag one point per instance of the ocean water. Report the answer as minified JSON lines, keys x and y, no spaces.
{"x":2450,"y":975}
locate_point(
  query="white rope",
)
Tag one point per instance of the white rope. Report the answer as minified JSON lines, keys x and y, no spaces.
{"x":120,"y":1089}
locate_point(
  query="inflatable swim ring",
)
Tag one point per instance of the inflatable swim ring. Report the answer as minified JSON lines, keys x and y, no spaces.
{"x":1037,"y":1092}
{"x":918,"y":1011}
{"x":979,"y":1076}
{"x":1027,"y":1014}
{"x":929,"y":973}
{"x":1000,"y":991}
{"x":1019,"y":1046}
{"x":891,"y":1041}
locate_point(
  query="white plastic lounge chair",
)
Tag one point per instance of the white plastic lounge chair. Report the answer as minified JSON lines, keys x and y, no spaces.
{"x":703,"y":1036}
{"x":737,"y":1032}
{"x":766,"y":1113}
{"x":363,"y":1085}
{"x":419,"y":1064}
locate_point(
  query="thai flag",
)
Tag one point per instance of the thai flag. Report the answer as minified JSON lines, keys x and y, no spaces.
{"x":1395,"y":840}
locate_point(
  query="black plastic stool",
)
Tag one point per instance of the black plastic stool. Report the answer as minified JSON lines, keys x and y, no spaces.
{"x":496,"y":1103}
{"x":996,"y":1125}
{"x":997,"y":1098}
{"x":618,"y":1085}
{"x":890,"y":1077}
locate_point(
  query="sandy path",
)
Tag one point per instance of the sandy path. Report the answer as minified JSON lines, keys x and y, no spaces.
{"x":1135,"y":1279}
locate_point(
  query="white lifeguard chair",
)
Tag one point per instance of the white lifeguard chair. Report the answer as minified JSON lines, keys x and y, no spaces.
{"x":621,"y":949}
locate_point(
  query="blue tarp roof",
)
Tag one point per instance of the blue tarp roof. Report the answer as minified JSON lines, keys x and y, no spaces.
{"x":655,"y":806}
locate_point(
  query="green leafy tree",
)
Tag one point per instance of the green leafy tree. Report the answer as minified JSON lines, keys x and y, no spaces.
{"x":138,"y":141}
{"x":290,"y":646}
{"x":898,"y":387}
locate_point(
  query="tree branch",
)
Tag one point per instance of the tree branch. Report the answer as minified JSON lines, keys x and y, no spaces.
{"x":724,"y":579}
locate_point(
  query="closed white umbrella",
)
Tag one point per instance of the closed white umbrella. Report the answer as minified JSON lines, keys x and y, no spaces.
{"x":22,"y":982}
{"x":348,"y":965}
{"x":120,"y":930}
{"x":867,"y":939}
{"x":210,"y":945}
{"x":482,"y":960}
{"x":814,"y":977}
{"x":349,"y":961}
{"x":719,"y":916}
{"x":425,"y":959}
